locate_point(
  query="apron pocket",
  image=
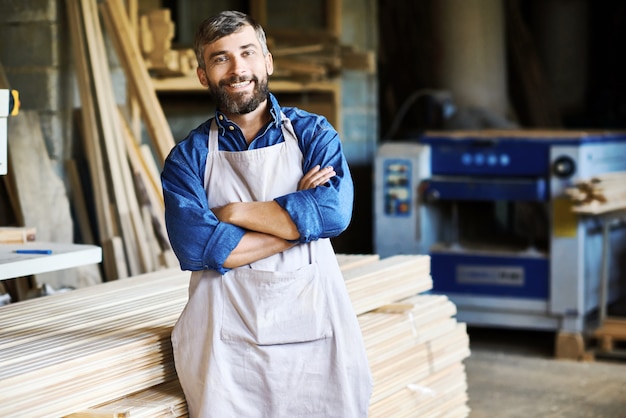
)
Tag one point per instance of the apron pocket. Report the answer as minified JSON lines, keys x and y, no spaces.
{"x":268,"y":308}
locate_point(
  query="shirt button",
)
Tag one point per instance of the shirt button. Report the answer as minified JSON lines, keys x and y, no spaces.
{"x":220,"y":117}
{"x":231,"y":127}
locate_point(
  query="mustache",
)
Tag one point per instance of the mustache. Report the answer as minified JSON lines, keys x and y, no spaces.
{"x":237,"y":79}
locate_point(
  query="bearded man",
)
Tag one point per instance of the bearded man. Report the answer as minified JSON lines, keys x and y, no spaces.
{"x":252,"y":198}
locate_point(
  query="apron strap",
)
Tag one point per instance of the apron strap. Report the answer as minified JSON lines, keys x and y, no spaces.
{"x":213,"y":139}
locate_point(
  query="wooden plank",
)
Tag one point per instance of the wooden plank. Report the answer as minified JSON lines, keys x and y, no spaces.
{"x":121,"y":180}
{"x":350,"y":261}
{"x":600,"y":194}
{"x":134,"y":111}
{"x":389,"y":280}
{"x":114,"y":262}
{"x":351,"y":59}
{"x":612,"y":327}
{"x":411,"y":398}
{"x":333,"y":17}
{"x":17,"y":234}
{"x":125,"y":43}
{"x":258,"y":11}
{"x":150,"y":196}
{"x":294,"y":50}
{"x":166,"y":399}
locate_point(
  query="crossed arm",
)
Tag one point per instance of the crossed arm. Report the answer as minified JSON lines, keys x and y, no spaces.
{"x":269,"y":226}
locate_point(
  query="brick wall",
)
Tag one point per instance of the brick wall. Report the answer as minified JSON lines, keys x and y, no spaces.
{"x":34,"y":53}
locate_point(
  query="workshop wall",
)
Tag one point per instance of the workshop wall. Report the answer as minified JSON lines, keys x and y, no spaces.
{"x":36,"y":64}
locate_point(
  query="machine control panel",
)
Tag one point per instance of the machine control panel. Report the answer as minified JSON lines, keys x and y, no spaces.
{"x":468,"y":156}
{"x":490,"y":159}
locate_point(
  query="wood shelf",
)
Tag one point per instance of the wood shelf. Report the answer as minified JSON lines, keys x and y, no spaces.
{"x":322,"y":97}
{"x":192,"y":85}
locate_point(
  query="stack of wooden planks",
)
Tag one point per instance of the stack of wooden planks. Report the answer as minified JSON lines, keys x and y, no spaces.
{"x":123,"y":172}
{"x":416,"y":349}
{"x":71,"y":351}
{"x":104,"y":351}
{"x":316,"y":57}
{"x":299,"y":55}
{"x":599,"y":194}
{"x":156,"y":31}
{"x":414,"y":344}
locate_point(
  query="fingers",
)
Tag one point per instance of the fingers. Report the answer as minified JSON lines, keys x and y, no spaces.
{"x":316,"y":177}
{"x":321,"y":176}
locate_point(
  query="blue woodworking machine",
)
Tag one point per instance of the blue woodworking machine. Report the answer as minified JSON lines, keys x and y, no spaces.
{"x":491,"y":210}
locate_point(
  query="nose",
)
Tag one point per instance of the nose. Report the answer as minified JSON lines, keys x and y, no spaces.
{"x":238,"y":66}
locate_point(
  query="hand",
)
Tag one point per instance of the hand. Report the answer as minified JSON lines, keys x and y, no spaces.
{"x":316,"y":177}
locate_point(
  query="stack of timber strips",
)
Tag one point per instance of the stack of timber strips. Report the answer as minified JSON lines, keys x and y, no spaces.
{"x":299,"y":55}
{"x":600,"y":194}
{"x":104,"y":351}
{"x":124,"y":175}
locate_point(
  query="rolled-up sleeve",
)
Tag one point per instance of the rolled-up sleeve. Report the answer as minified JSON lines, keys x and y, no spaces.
{"x":197,"y":237}
{"x":325,"y":211}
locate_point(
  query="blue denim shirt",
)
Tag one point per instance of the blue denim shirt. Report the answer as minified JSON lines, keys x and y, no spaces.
{"x":199,"y":240}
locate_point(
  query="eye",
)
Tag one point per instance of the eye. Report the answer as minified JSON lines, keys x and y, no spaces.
{"x":248,"y":52}
{"x":219,"y":59}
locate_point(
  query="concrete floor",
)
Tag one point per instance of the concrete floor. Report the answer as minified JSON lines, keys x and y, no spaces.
{"x":513,"y":374}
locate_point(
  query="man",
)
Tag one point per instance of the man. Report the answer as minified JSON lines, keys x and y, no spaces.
{"x":268,"y":330}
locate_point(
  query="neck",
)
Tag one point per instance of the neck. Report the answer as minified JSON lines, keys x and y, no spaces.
{"x":251,"y":123}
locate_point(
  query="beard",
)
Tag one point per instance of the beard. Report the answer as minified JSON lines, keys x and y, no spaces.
{"x":239,"y":103}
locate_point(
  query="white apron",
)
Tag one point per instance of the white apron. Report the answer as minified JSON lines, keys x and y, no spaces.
{"x":277,"y":338}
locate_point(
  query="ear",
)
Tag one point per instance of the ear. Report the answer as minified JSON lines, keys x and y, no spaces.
{"x":269,"y":63}
{"x":202,"y":77}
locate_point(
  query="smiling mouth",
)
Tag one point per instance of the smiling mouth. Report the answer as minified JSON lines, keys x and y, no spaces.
{"x":237,"y":83}
{"x":240,"y":84}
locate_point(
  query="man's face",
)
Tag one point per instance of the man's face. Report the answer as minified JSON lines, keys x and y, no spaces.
{"x":236,"y":72}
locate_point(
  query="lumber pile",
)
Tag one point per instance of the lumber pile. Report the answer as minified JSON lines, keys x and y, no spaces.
{"x":414,"y":345}
{"x":123,"y":172}
{"x":416,"y":349}
{"x":104,"y":351}
{"x":599,"y":194}
{"x":299,"y":55}
{"x":156,"y":31}
{"x":316,"y":57}
{"x":72,"y":351}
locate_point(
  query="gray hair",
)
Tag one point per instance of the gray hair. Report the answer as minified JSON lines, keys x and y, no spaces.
{"x":224,"y":24}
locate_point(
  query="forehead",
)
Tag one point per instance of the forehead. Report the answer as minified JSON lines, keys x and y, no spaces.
{"x":243,"y":38}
